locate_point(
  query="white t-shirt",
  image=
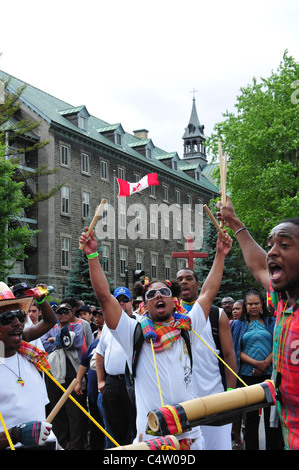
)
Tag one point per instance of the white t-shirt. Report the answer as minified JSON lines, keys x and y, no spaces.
{"x":206,"y":377}
{"x":113,"y":353}
{"x":20,"y":404}
{"x":174,"y":371}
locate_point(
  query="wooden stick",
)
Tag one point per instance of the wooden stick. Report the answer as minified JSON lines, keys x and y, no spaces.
{"x":62,"y":401}
{"x":222,"y":176}
{"x":214,"y":222}
{"x":94,"y":220}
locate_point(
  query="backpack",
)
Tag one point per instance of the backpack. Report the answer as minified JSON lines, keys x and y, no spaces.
{"x":138,"y":341}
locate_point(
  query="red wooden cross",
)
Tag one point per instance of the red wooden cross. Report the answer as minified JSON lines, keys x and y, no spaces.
{"x":189,"y":254}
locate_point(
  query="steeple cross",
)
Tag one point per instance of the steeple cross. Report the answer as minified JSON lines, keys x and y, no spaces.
{"x":194,"y":91}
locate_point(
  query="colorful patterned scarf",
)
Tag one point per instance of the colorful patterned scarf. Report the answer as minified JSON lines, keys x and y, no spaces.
{"x":164,"y":334}
{"x":34,"y":355}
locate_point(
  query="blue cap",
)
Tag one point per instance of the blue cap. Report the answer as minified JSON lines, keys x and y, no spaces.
{"x":122,"y":291}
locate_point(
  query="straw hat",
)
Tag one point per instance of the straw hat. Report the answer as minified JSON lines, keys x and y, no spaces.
{"x":7,"y":298}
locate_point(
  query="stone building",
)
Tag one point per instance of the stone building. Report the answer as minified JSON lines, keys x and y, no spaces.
{"x":138,"y":232}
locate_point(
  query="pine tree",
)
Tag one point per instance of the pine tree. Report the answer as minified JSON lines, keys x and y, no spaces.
{"x":235,"y":274}
{"x":79,"y":285}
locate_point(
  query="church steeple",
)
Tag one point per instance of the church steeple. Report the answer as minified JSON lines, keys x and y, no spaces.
{"x":194,"y":138}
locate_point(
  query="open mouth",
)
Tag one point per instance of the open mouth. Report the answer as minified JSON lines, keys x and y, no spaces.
{"x":275,"y":271}
{"x":160,"y":306}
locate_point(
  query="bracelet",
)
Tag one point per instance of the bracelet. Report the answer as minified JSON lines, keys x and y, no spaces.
{"x":93,"y":255}
{"x":229,"y":389}
{"x":41,"y":302}
{"x":240,"y":230}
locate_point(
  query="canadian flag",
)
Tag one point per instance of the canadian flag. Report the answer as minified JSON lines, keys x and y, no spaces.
{"x":126,"y":189}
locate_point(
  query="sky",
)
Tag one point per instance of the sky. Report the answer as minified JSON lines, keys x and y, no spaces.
{"x":137,"y":62}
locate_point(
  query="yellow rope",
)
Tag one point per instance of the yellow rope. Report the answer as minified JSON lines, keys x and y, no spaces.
{"x":159,"y":387}
{"x":81,"y":407}
{"x":220,"y":359}
{"x":6,"y":432}
{"x":176,"y":419}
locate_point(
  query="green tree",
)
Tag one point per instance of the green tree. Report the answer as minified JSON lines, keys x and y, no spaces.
{"x":79,"y":285}
{"x":13,"y":127}
{"x":16,"y":138}
{"x":262,"y":142}
{"x":13,"y":239}
{"x":236,"y":277}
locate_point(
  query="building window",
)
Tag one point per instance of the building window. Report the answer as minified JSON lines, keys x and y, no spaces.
{"x":65,"y":252}
{"x":121,"y":173}
{"x":179,"y":229}
{"x":82,"y":122}
{"x":166,"y":227}
{"x":123,"y":260}
{"x":174,"y":165}
{"x":154,"y":264}
{"x":118,"y":139}
{"x":165,"y":192}
{"x":189,"y":202}
{"x":178,"y":197}
{"x":106,"y":258}
{"x":105,"y":213}
{"x":152,"y":191}
{"x":138,"y":220}
{"x":122,"y":216}
{"x":64,"y":155}
{"x":167,"y":260}
{"x":85,"y":163}
{"x":65,"y":200}
{"x":181,"y":264}
{"x":148,"y":153}
{"x":153,"y":226}
{"x":136,"y":177}
{"x":85,"y":205}
{"x":139,"y":259}
{"x":104,"y":170}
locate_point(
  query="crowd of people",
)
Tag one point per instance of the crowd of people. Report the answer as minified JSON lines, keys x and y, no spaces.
{"x":117,"y":384}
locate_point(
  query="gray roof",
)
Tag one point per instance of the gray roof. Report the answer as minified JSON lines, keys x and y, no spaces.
{"x":54,"y":111}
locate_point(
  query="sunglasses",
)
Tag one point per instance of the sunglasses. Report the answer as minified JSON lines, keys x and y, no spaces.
{"x":6,"y":318}
{"x":152,"y":293}
{"x":61,"y":311}
{"x":125,"y":300}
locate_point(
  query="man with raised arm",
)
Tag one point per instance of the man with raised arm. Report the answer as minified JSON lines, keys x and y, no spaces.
{"x":172,"y":360}
{"x":277,"y":270}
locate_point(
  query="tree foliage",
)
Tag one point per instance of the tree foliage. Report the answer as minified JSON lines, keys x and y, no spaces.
{"x":16,"y":138}
{"x":262,"y":142}
{"x":13,"y":238}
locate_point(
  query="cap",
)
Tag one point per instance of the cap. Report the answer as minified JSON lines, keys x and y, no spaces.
{"x":122,"y":291}
{"x":63,"y":306}
{"x":84,"y":308}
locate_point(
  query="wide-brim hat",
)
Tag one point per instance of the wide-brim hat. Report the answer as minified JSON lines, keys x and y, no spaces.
{"x":7,"y":298}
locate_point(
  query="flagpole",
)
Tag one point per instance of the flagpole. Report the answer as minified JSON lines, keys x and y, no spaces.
{"x":115,"y":248}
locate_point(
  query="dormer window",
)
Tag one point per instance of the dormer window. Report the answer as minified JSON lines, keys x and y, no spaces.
{"x":118,"y":139}
{"x":82,"y":122}
{"x":114,"y":133}
{"x":77,"y":115}
{"x":148,"y":153}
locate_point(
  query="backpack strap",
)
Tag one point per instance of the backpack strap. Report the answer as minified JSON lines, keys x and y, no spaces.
{"x":214,"y":320}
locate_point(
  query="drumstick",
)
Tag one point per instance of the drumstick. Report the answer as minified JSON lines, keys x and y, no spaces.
{"x":222,"y":176}
{"x":94,"y":220}
{"x":62,"y":400}
{"x":214,"y":222}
